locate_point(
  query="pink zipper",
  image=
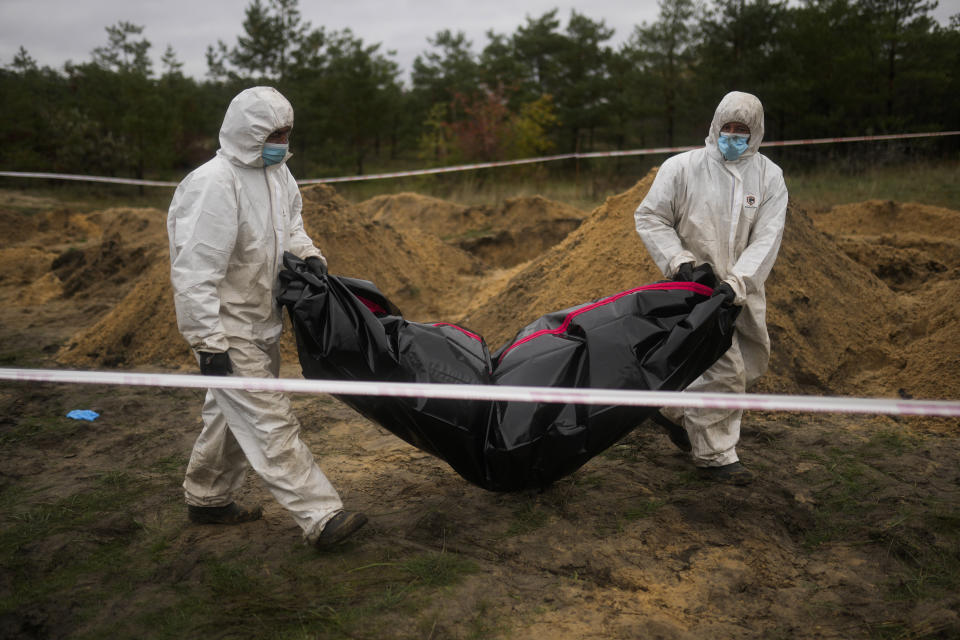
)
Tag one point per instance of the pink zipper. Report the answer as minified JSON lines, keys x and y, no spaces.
{"x":695,"y":287}
{"x":460,"y":329}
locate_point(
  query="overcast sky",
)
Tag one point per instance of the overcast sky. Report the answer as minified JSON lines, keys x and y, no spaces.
{"x":54,"y":31}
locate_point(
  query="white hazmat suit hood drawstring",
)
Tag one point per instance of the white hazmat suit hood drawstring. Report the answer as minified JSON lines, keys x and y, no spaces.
{"x":252,"y":116}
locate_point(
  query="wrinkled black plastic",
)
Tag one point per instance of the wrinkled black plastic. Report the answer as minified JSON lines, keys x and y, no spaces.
{"x":658,"y":337}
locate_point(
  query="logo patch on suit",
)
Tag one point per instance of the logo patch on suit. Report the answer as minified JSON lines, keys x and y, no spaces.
{"x":751,"y":200}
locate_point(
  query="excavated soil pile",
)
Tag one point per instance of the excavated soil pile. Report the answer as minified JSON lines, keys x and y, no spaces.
{"x":836,"y":327}
{"x":123,"y":279}
{"x":417,"y":270}
{"x":861,"y":300}
{"x":514,"y":232}
{"x":915,"y":250}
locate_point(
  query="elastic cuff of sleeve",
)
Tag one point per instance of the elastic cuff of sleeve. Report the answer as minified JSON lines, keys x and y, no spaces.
{"x":217,"y":344}
{"x":679,"y":259}
{"x":738,"y":289}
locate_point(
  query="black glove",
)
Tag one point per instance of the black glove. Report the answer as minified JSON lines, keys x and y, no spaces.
{"x":317,"y":266}
{"x":725,"y":290}
{"x":684,"y":273}
{"x":214,"y":364}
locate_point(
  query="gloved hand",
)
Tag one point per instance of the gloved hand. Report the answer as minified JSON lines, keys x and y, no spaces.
{"x":684,"y":273}
{"x":317,"y":266}
{"x":214,"y":364}
{"x":725,"y":290}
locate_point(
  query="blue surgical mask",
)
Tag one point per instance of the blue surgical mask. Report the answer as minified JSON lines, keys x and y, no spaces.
{"x":273,"y":153}
{"x":732,"y":145}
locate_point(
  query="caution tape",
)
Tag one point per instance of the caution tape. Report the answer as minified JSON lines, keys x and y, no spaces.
{"x":485,"y":165}
{"x":80,"y":178}
{"x":558,"y":395}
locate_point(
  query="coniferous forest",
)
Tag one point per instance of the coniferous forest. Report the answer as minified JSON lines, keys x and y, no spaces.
{"x":555,"y":85}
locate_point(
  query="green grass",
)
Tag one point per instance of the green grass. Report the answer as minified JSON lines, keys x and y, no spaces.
{"x":642,"y":509}
{"x":918,"y":532}
{"x":79,"y":197}
{"x":527,"y":518}
{"x":817,"y":187}
{"x":933,"y":184}
{"x":845,"y":502}
{"x":93,"y":550}
{"x":814,"y":187}
{"x":42,"y":430}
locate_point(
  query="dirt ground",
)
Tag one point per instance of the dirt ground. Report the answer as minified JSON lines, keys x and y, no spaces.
{"x":852,"y":529}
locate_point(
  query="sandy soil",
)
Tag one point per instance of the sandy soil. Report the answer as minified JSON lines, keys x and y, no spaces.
{"x":862,"y":302}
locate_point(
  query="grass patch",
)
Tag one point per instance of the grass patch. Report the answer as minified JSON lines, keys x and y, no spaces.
{"x":42,"y":430}
{"x":438,"y":569}
{"x":316,"y":596}
{"x":928,"y":183}
{"x":526,"y":519}
{"x":844,"y":504}
{"x":643,"y":509}
{"x":174,"y":465}
{"x":820,"y":184}
{"x":926,"y":538}
{"x":89,"y":549}
{"x":47,"y":548}
{"x":890,"y":442}
{"x":919,"y":532}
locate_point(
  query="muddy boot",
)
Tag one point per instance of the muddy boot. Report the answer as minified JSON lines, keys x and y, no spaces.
{"x":733,"y":473}
{"x":678,"y":435}
{"x":339,"y":528}
{"x":229,"y":514}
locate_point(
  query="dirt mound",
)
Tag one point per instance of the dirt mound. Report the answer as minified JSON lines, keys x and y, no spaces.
{"x":885,"y":217}
{"x":858,"y":306}
{"x":830,"y":318}
{"x":414,"y":211}
{"x":19,"y":266}
{"x":25,"y":277}
{"x":904,"y":244}
{"x":15,"y":227}
{"x":503,"y":236}
{"x":604,"y":255}
{"x":915,"y":250}
{"x":416,"y":270}
{"x":140,"y":329}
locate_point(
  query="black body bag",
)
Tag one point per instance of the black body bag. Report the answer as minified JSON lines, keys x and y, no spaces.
{"x":658,"y":337}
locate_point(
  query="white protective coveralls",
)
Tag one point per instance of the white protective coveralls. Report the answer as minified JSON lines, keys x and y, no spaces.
{"x":703,"y":208}
{"x":229,"y":223}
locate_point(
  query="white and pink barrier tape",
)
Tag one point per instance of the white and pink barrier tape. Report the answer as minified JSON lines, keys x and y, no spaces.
{"x":485,"y":165}
{"x":756,"y":402}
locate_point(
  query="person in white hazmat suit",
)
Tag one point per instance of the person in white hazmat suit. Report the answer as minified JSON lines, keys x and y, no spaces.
{"x":723,"y":204}
{"x":229,"y":223}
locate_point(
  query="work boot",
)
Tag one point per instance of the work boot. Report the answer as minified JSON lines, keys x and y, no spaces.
{"x":229,"y":514}
{"x":677,"y":434}
{"x":339,"y":528}
{"x":733,"y":473}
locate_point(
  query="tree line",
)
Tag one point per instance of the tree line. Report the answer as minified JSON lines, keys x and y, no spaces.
{"x":822,"y":68}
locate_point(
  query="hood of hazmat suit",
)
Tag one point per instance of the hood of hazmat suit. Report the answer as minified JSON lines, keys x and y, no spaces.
{"x":704,"y":208}
{"x":229,"y":223}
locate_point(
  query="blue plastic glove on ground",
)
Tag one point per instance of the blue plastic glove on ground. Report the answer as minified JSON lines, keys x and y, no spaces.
{"x":83,"y":414}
